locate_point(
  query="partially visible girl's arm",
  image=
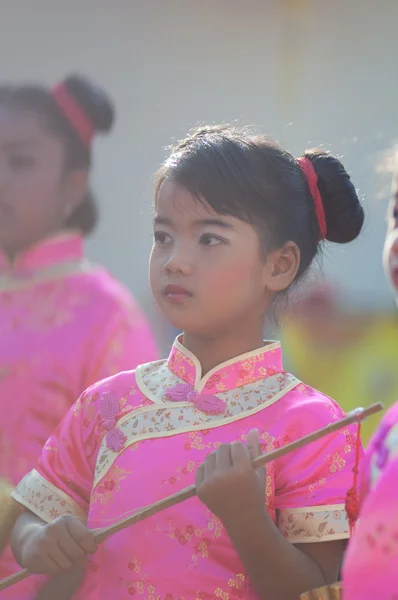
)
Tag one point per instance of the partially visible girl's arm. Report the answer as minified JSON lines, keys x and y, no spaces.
{"x":62,"y":587}
{"x":234,"y":491}
{"x":277,"y":569}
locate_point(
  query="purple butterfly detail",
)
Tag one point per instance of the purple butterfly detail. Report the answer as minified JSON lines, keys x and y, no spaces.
{"x":208,"y":403}
{"x":109,"y":410}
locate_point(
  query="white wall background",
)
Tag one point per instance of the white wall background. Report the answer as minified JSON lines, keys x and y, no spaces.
{"x":306,"y":71}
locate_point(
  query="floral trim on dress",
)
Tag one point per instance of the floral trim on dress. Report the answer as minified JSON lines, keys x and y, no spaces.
{"x":314,"y":524}
{"x":44,"y":499}
{"x":10,"y":282}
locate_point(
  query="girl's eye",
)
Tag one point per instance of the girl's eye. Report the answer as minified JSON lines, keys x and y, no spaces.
{"x":210,"y":240}
{"x":161,"y":238}
{"x":21,"y":162}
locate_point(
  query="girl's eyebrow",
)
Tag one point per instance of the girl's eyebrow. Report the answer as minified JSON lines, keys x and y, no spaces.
{"x":214,"y":222}
{"x":161,"y":220}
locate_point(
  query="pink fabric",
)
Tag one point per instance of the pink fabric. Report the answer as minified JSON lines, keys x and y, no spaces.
{"x":184,"y":552}
{"x":63,"y":326}
{"x":370,"y":567}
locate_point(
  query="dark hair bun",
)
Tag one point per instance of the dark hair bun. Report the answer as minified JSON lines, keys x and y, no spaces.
{"x":343,"y":210}
{"x":94,"y":101}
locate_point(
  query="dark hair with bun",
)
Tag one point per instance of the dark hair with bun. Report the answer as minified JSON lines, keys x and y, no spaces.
{"x":249,"y":176}
{"x":96,"y":105}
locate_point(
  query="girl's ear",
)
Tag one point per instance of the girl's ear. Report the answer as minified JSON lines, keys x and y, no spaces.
{"x":283,"y":265}
{"x":74,"y":187}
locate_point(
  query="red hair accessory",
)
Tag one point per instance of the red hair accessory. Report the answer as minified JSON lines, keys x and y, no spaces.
{"x":310,"y":175}
{"x":75,"y":114}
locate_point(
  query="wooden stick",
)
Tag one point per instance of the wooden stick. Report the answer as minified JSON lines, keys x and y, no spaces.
{"x":101,"y":534}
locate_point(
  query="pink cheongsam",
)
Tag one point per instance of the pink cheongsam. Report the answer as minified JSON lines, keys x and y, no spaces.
{"x":136,"y":438}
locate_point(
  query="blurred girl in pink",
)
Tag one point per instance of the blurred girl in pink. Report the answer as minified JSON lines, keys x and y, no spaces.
{"x":64,"y":322}
{"x":370,"y":568}
{"x":237,"y":221}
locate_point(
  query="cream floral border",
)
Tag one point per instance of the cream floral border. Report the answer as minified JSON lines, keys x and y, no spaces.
{"x":314,"y":524}
{"x":44,"y":499}
{"x":166,"y":418}
{"x":12,"y":283}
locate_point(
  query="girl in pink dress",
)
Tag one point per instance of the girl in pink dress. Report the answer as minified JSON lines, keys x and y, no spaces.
{"x":237,"y":221}
{"x":64,"y":323}
{"x":370,"y":568}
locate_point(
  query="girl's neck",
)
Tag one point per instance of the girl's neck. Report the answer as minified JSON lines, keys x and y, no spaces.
{"x":214,"y":350}
{"x":13,"y":253}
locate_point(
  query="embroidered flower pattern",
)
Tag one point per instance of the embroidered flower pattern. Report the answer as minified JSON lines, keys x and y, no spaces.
{"x":300,"y":526}
{"x":46,"y":500}
{"x":109,"y":486}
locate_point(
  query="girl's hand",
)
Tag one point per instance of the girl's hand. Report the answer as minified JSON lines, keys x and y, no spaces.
{"x":228,"y":484}
{"x":57,"y":547}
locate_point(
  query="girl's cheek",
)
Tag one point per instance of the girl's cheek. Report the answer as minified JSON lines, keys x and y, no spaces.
{"x":228,"y":277}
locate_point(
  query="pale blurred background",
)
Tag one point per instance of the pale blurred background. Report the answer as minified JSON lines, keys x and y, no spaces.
{"x":308,"y":72}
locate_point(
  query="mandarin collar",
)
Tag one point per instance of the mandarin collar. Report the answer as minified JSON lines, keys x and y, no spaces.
{"x":66,"y":247}
{"x":234,"y":373}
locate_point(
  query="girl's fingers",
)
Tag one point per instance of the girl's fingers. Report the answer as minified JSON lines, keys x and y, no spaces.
{"x":59,"y":557}
{"x":82,"y":536}
{"x":200,"y":475}
{"x":240,"y":455}
{"x":47,"y":566}
{"x":71,"y":548}
{"x":223,"y":458}
{"x":253,"y":444}
{"x":210,"y":465}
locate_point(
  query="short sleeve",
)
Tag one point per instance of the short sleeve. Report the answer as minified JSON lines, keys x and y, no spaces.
{"x":311,"y":484}
{"x":62,"y":481}
{"x":121,"y":342}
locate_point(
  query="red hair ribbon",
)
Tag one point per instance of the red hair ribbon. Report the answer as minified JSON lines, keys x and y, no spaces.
{"x":74,"y":113}
{"x":310,"y":175}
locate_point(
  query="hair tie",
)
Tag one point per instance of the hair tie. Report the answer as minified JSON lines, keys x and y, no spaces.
{"x":308,"y":169}
{"x":74,"y":113}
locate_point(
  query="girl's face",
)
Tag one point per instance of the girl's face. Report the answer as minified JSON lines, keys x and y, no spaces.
{"x":206,"y":270}
{"x":390,"y":253}
{"x":35,"y":194}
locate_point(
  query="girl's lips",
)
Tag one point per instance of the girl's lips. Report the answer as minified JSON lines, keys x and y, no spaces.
{"x":176,"y":293}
